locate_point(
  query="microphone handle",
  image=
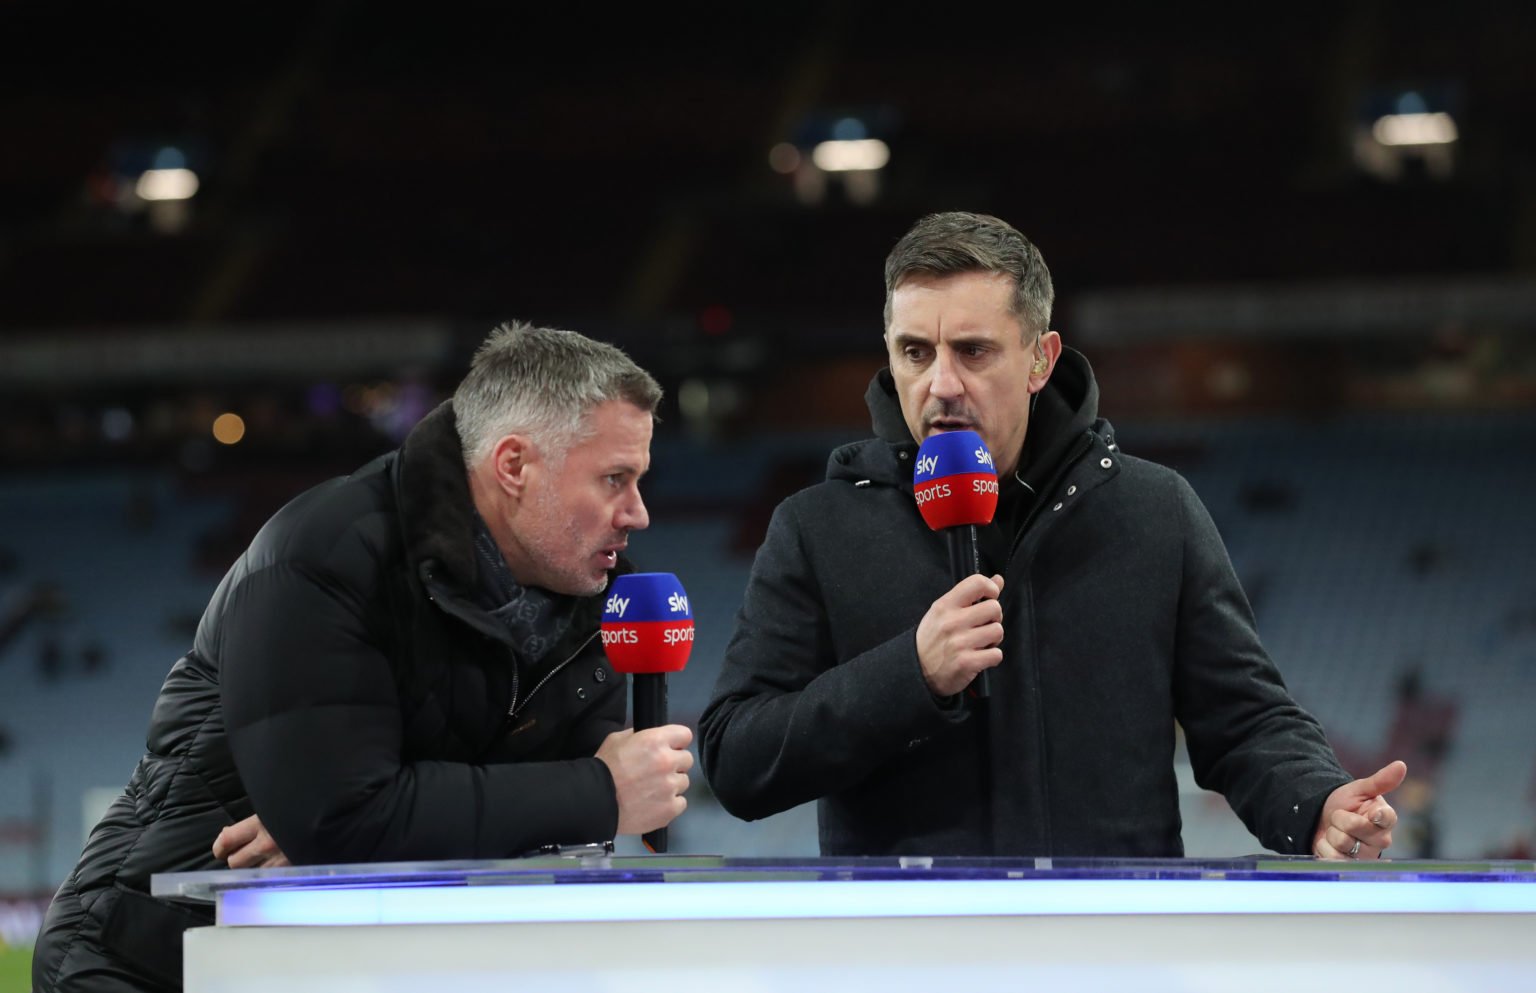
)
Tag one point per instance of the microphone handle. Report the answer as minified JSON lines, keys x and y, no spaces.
{"x":965,"y":560}
{"x":650,"y":696}
{"x":650,"y":693}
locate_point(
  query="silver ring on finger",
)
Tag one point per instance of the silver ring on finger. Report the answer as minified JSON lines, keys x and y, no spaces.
{"x":1354,"y":851}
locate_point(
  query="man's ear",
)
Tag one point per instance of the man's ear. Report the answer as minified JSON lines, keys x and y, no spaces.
{"x":1046,"y":351}
{"x":511,"y":459}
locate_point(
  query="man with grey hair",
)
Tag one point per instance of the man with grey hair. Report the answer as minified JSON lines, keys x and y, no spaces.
{"x":1107,"y":612}
{"x":405,"y":664}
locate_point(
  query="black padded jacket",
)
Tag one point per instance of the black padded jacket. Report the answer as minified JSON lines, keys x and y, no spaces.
{"x":344,"y":684}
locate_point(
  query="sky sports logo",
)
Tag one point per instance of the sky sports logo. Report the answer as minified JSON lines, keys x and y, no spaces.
{"x":954,"y":482}
{"x":928,"y":465}
{"x":617,"y":606}
{"x":980,"y":485}
{"x":647,"y":623}
{"x":647,"y":646}
{"x":953,"y":453}
{"x":630,"y":635}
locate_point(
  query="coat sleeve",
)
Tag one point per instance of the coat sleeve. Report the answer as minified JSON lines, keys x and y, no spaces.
{"x":788,"y":721}
{"x":314,"y":725}
{"x":1247,"y":738}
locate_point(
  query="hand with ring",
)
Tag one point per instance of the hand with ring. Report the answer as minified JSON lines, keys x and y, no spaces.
{"x":1356,"y":821}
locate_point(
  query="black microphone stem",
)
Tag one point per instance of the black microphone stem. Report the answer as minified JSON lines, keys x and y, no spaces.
{"x":650,"y":696}
{"x":650,"y":690}
{"x":965,"y":560}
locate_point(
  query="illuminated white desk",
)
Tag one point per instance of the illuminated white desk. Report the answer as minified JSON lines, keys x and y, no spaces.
{"x":708,"y":924}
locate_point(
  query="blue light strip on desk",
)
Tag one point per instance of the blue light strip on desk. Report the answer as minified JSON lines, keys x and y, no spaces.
{"x":812,"y":899}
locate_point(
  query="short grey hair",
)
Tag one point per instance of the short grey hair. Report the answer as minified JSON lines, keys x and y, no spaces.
{"x":542,"y":382}
{"x":958,"y":241}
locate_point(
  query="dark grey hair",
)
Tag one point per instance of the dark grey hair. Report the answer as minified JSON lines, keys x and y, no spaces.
{"x":543,"y":382}
{"x":956,"y":242}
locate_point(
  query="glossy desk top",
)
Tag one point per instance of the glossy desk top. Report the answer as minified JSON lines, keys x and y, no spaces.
{"x":603,"y":887}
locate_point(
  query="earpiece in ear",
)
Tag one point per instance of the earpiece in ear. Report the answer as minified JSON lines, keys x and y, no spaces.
{"x":1040,"y":365}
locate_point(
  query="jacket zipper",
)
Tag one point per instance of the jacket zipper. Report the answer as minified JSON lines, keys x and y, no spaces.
{"x":449,"y":606}
{"x":512,"y":711}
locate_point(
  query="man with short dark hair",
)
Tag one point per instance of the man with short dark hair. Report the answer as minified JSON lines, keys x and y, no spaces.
{"x":1107,"y":611}
{"x":405,"y":664}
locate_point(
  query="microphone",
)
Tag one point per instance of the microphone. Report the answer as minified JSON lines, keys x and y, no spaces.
{"x":955,"y":485}
{"x":647,"y":632}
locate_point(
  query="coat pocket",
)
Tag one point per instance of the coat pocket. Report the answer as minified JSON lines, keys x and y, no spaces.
{"x":145,"y":934}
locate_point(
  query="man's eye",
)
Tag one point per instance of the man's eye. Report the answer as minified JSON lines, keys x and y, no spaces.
{"x":913,"y":353}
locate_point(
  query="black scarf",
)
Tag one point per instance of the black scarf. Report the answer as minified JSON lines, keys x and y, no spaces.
{"x":536,"y":618}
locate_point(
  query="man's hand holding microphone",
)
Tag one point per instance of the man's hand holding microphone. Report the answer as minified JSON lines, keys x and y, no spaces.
{"x":647,"y":631}
{"x":955,"y":484}
{"x":650,"y":773}
{"x":959,"y":638}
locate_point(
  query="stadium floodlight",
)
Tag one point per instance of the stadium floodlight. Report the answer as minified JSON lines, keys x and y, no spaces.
{"x":167,"y":184}
{"x":1437,"y":128}
{"x":850,"y":156}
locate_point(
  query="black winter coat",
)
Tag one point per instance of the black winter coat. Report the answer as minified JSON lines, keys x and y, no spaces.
{"x":344,"y":684}
{"x":1122,"y":615}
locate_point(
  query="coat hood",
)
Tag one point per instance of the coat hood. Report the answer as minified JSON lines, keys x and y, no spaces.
{"x":1067,"y":407}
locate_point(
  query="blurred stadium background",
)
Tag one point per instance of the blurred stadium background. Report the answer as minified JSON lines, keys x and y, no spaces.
{"x":239,"y":256}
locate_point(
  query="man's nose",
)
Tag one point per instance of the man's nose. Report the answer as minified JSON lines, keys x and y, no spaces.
{"x":945,"y":383}
{"x":633,"y":516}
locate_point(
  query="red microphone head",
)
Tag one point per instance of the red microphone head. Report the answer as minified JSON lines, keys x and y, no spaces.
{"x":954,"y":480}
{"x":647,"y":624}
